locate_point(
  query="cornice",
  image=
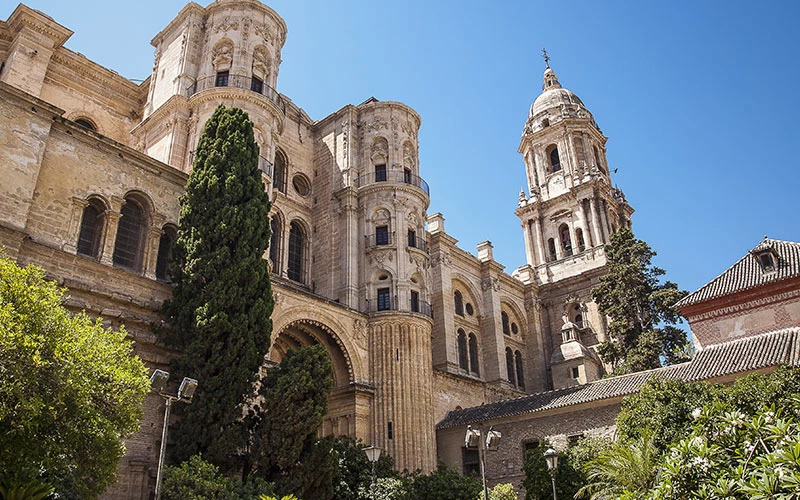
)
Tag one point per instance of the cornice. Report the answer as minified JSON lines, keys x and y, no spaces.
{"x":743,"y":301}
{"x":34,"y":103}
{"x":25,"y":17}
{"x":96,"y":74}
{"x":176,"y":102}
{"x":391,"y":105}
{"x":218,"y":94}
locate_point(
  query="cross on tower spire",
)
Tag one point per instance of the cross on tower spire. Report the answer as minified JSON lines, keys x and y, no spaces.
{"x":546,"y":57}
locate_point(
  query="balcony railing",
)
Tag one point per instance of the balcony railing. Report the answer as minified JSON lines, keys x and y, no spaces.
{"x":379,"y":239}
{"x":376,"y":305}
{"x":240,"y":82}
{"x":265,"y":166}
{"x":418,"y":243}
{"x":395,"y":177}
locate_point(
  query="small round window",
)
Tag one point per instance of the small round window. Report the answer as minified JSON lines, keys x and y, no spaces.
{"x":469,"y":309}
{"x":514,"y":328}
{"x":301,"y":185}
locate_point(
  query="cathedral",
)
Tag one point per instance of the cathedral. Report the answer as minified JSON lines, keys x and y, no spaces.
{"x":418,"y":330}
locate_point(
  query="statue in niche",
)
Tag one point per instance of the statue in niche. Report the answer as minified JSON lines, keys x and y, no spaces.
{"x":222,"y":56}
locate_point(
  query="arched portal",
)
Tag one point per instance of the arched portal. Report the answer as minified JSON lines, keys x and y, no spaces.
{"x":341,"y":417}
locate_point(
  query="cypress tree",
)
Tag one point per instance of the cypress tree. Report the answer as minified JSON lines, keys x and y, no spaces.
{"x":221,"y":304}
{"x":641,"y":332}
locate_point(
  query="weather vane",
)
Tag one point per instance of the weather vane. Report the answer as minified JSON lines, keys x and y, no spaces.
{"x":546,"y":57}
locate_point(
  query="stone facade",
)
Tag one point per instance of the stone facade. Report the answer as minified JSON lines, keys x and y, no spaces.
{"x":93,"y":166}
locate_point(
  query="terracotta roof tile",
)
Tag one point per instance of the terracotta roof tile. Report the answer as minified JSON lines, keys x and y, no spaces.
{"x":747,"y":273}
{"x":742,"y":355}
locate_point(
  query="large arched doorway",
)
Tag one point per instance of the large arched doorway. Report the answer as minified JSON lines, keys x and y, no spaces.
{"x":341,"y":417}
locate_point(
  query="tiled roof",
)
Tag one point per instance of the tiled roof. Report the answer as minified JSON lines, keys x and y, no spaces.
{"x":742,"y":355}
{"x":748,"y":273}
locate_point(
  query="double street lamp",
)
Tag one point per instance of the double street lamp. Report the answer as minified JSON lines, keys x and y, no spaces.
{"x":473,"y":440}
{"x":158,"y":382}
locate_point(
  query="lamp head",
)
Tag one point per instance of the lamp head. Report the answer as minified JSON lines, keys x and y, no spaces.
{"x":551,"y":457}
{"x":493,"y":439}
{"x":158,"y":380}
{"x":373,"y":453}
{"x":187,"y":388}
{"x":473,"y":437}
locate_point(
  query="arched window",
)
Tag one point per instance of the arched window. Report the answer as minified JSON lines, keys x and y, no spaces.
{"x":91,"y":230}
{"x":510,"y":366}
{"x":520,"y":375}
{"x":458,"y":302}
{"x":566,"y":241}
{"x":551,"y":247}
{"x":296,"y":250}
{"x":555,"y":161}
{"x":579,"y":237}
{"x":463,"y":360}
{"x":128,"y":247}
{"x":280,"y":172}
{"x":578,"y":320}
{"x":165,"y":253}
{"x":473,"y":355}
{"x":275,"y":243}
{"x":504,"y":318}
{"x":83,"y":122}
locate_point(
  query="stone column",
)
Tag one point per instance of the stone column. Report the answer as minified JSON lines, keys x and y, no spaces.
{"x":73,"y":232}
{"x":110,"y":233}
{"x":588,"y":234}
{"x":539,"y":238}
{"x":530,"y":255}
{"x":150,"y":257}
{"x":596,"y":229}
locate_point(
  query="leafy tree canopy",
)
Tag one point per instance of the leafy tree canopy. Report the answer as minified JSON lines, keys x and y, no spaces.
{"x":538,"y":483}
{"x":353,"y":474}
{"x":197,"y":479}
{"x":443,"y":484}
{"x":220,"y":310}
{"x":71,"y":391}
{"x":641,"y":332}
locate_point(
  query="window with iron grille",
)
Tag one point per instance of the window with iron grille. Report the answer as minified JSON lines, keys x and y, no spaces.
{"x":222,"y":79}
{"x":165,"y":254}
{"x":412,"y":238}
{"x":470,"y":462}
{"x":382,"y":235}
{"x":296,"y":243}
{"x":384,"y":300}
{"x":256,"y":85}
{"x":128,"y":246}
{"x":380,"y":173}
{"x":91,"y":229}
{"x":414,"y":301}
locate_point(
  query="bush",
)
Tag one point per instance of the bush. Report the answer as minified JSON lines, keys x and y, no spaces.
{"x":197,"y":479}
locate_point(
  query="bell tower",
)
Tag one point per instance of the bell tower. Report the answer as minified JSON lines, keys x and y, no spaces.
{"x":567,"y":216}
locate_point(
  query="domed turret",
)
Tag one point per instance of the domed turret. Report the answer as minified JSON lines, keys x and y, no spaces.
{"x":553,"y":102}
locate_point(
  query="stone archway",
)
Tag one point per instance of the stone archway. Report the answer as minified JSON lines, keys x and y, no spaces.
{"x":343,"y":417}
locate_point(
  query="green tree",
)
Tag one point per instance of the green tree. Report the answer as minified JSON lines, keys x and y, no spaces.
{"x":641,"y":332}
{"x":353,"y":472}
{"x":443,"y":483}
{"x":292,"y":402}
{"x":71,"y":391}
{"x":629,"y":465}
{"x":221,"y":305}
{"x":502,"y":491}
{"x":197,"y":479}
{"x":663,"y":409}
{"x":537,"y":482}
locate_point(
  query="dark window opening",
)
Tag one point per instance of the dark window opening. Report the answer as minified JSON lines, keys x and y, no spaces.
{"x":504,"y":320}
{"x":470,"y":462}
{"x":514,"y":328}
{"x":463,"y":359}
{"x":766,"y":261}
{"x":575,"y":372}
{"x":414,"y":301}
{"x":222,"y":79}
{"x":412,"y":238}
{"x":165,"y":254}
{"x":280,"y":171}
{"x":91,"y":229}
{"x":389,"y":430}
{"x":380,"y":173}
{"x":256,"y":85}
{"x":555,"y":161}
{"x":407,"y":175}
{"x":520,"y":374}
{"x":384,"y":300}
{"x":468,"y":308}
{"x":296,"y":250}
{"x":130,"y":232}
{"x":581,"y":242}
{"x":274,"y":243}
{"x":458,"y":302}
{"x":578,"y":320}
{"x":566,"y":241}
{"x":551,"y":247}
{"x":382,"y":235}
{"x":574,"y":439}
{"x":85,"y":123}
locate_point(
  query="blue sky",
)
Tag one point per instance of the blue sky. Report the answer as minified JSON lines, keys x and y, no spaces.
{"x":697,"y":99}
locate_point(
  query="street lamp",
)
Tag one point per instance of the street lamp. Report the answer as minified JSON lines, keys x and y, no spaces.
{"x":158,"y":382}
{"x":473,"y":440}
{"x":551,"y":457}
{"x":373,"y":454}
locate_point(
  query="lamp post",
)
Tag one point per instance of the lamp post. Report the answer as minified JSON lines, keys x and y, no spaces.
{"x":373,"y":454}
{"x":551,"y":457}
{"x":158,"y":382}
{"x":473,"y":440}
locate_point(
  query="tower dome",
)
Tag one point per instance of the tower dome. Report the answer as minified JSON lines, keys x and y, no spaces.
{"x":553,"y":95}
